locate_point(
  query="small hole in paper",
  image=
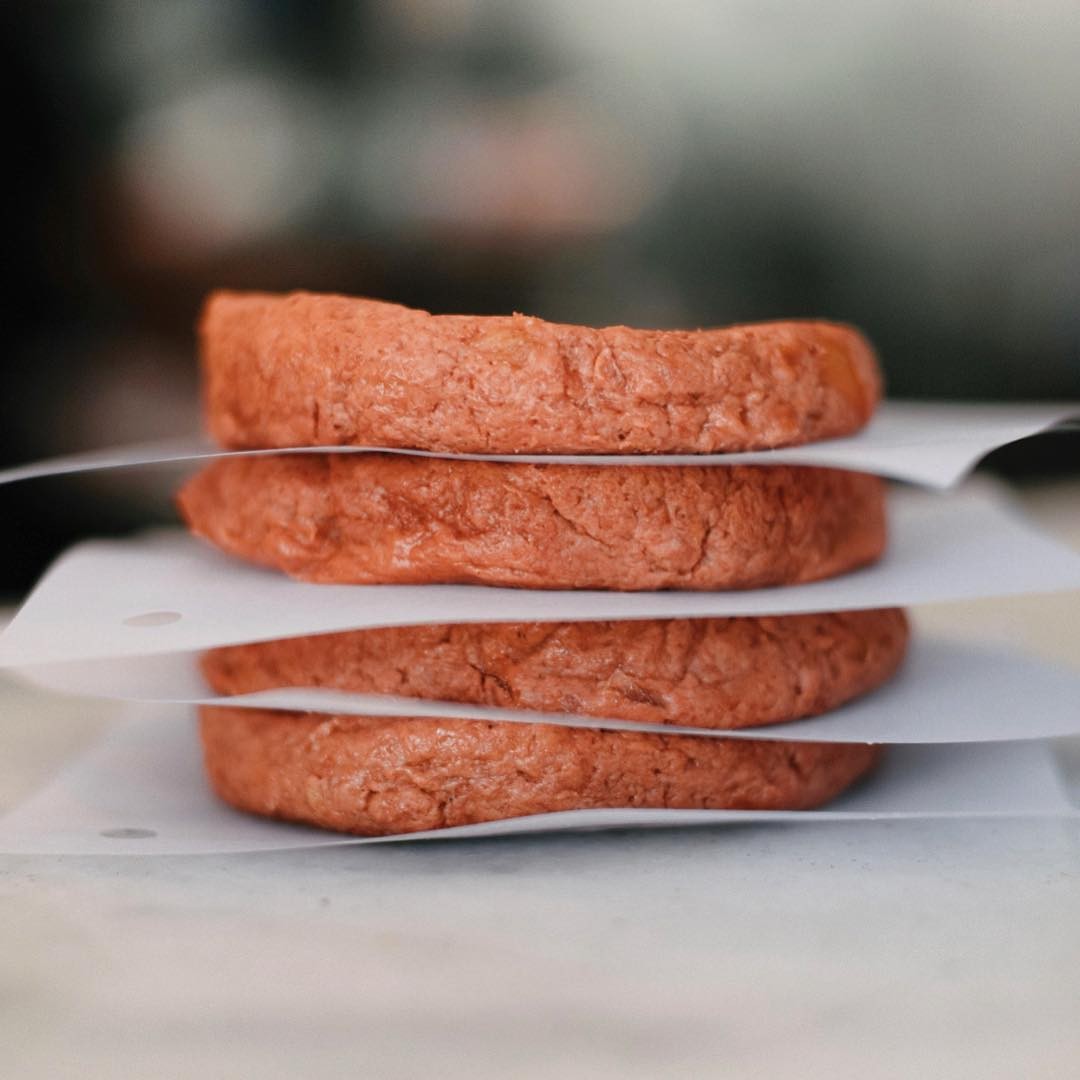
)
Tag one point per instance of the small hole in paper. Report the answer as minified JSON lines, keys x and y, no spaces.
{"x":153,"y":618}
{"x":128,"y":834}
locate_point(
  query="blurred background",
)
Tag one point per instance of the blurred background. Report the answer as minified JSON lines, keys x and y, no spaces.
{"x":909,"y":166}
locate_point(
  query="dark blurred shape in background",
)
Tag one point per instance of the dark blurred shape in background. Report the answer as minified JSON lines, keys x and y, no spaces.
{"x":911,"y":167}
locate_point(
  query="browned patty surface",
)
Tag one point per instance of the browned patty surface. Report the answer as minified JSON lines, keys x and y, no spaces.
{"x":374,"y":776}
{"x":708,"y":673}
{"x":314,"y":370}
{"x":383,"y":518}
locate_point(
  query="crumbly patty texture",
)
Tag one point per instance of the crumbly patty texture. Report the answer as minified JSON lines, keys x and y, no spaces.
{"x":375,"y":776}
{"x":392,"y":519}
{"x":317,"y":370}
{"x":707,"y":673}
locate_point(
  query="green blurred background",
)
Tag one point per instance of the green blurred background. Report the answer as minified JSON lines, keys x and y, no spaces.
{"x":910,"y":167}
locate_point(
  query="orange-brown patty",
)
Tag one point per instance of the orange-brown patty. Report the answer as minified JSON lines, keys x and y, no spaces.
{"x":375,"y":776}
{"x":313,"y":370}
{"x":382,"y":518}
{"x":707,"y":673}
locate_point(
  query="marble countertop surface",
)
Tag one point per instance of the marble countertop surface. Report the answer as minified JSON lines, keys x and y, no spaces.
{"x":830,"y":950}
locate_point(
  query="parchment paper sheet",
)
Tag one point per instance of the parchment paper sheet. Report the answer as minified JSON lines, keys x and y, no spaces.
{"x":166,"y":592}
{"x":141,"y":792}
{"x":947,"y":692}
{"x":927,"y":443}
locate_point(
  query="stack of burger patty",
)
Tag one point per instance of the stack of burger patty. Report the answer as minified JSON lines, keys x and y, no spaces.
{"x":306,"y":370}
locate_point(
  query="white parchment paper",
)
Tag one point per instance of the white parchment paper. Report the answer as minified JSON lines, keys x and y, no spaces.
{"x":167,"y":592}
{"x":141,"y":792}
{"x":947,"y":692}
{"x":932,"y":444}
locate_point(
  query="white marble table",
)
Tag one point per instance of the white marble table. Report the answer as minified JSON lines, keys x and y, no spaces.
{"x":901,"y":949}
